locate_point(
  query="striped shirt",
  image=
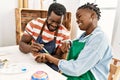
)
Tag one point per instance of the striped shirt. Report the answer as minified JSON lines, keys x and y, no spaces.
{"x":34,"y":28}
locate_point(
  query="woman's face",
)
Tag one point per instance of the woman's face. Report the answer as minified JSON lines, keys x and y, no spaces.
{"x":84,"y":19}
{"x":53,"y":21}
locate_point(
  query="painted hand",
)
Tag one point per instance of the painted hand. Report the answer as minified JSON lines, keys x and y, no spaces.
{"x":65,"y":47}
{"x":41,"y":58}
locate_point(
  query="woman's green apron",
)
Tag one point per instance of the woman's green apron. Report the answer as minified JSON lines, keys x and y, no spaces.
{"x":73,"y":54}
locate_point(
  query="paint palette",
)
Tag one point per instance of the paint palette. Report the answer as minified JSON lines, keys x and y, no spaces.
{"x":15,"y":68}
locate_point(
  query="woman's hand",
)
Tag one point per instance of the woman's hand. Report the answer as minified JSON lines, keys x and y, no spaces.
{"x":44,"y":57}
{"x":41,"y":58}
{"x":35,"y":54}
{"x":65,"y":47}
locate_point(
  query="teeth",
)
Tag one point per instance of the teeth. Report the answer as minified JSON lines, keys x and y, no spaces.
{"x":79,"y":24}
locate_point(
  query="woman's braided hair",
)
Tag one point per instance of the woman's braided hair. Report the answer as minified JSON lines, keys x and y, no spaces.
{"x":92,"y":7}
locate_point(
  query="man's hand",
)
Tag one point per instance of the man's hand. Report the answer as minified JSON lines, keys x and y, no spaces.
{"x":35,"y":47}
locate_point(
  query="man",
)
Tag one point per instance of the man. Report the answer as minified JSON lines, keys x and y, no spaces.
{"x":46,"y":35}
{"x":89,"y":56}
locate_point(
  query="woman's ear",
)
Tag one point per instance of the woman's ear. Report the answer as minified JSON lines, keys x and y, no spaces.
{"x":93,"y":15}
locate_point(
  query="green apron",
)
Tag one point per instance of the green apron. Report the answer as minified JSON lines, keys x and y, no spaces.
{"x":73,"y":54}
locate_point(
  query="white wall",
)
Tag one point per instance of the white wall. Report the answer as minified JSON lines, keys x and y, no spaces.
{"x":116,"y":34}
{"x":8,"y":26}
{"x":72,"y":6}
{"x":7,"y":22}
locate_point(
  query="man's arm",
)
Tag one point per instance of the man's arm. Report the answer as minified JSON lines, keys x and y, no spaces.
{"x":24,"y":44}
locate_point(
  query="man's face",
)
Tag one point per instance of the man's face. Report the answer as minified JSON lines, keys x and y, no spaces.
{"x":53,"y":21}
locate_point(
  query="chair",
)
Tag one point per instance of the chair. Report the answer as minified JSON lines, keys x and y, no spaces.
{"x":114,"y":70}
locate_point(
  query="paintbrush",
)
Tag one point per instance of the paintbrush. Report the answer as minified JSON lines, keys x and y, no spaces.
{"x":36,"y":41}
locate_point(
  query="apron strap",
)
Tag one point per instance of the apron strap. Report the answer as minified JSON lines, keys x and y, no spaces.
{"x":55,"y":35}
{"x":42,"y":28}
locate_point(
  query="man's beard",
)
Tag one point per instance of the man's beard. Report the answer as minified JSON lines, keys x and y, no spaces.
{"x":49,"y":25}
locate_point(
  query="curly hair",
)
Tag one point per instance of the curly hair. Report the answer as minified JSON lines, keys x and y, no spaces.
{"x":92,"y":7}
{"x":57,"y":8}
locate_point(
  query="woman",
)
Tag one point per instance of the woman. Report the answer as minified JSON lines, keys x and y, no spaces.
{"x":90,"y":55}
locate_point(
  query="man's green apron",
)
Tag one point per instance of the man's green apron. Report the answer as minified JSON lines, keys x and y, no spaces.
{"x":73,"y":54}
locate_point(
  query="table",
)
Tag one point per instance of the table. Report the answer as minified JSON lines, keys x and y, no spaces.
{"x":13,"y":55}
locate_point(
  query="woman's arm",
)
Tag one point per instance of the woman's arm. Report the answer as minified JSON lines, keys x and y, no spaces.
{"x":51,"y":59}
